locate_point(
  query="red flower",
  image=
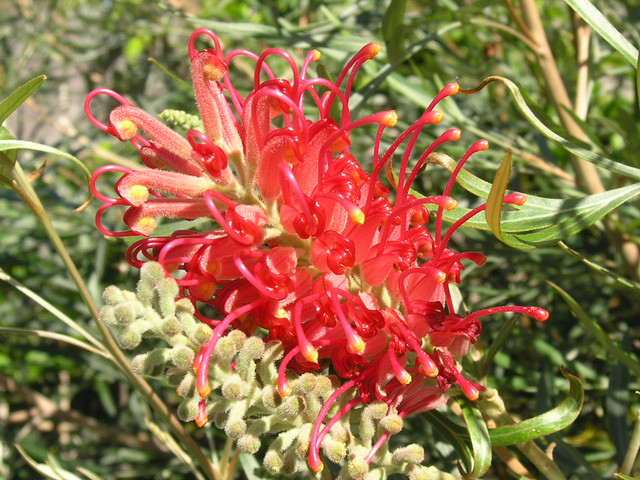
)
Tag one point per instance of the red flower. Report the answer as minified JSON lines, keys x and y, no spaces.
{"x":304,"y":242}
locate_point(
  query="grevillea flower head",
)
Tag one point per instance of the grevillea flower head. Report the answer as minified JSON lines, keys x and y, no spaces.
{"x":328,"y":254}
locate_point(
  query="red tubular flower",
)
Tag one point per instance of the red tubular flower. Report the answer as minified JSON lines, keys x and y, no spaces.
{"x":303,"y":241}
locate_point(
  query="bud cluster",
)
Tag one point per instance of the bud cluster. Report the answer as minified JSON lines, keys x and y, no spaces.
{"x":244,"y":401}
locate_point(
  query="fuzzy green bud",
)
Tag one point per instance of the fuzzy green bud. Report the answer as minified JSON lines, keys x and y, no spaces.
{"x":371,"y":414}
{"x":248,"y":444}
{"x":168,"y":290}
{"x":235,"y":428}
{"x":187,"y":385}
{"x":108,"y":315}
{"x":171,"y":326}
{"x":201,"y":334}
{"x":290,"y":407}
{"x":304,"y":384}
{"x":357,"y":468}
{"x":270,"y":397}
{"x":333,"y":450}
{"x":152,"y":363}
{"x":188,"y":409}
{"x":273,"y":461}
{"x":392,"y":423}
{"x":420,"y":472}
{"x":129,"y":339}
{"x":182,"y":357}
{"x":225,"y":350}
{"x":238,"y":338}
{"x":184,"y":305}
{"x":125,"y":313}
{"x":150,"y":274}
{"x":413,"y":453}
{"x":180,"y":120}
{"x":302,"y":440}
{"x":112,"y":295}
{"x":234,"y":388}
{"x":324,"y":387}
{"x":175,"y":376}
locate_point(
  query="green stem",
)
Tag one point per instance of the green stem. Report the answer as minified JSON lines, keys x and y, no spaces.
{"x":632,"y":451}
{"x":21,"y":185}
{"x":493,"y":408}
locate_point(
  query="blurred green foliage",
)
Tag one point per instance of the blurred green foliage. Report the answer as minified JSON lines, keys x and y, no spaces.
{"x":83,"y":44}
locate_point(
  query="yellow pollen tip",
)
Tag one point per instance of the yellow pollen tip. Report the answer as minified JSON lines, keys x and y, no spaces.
{"x":431,"y":372}
{"x":449,"y":204}
{"x":204,"y":390}
{"x":357,"y":216}
{"x":310,"y":354}
{"x":213,"y":73}
{"x":437,"y":116}
{"x":138,"y":193}
{"x":405,"y":378}
{"x":440,"y":277}
{"x":146,"y":225}
{"x":357,"y":344}
{"x":316,"y":55}
{"x":127,"y":129}
{"x":374,"y":49}
{"x":201,"y":421}
{"x":454,"y":88}
{"x":317,"y":468}
{"x":280,"y":313}
{"x":285,"y":391}
{"x":390,"y":119}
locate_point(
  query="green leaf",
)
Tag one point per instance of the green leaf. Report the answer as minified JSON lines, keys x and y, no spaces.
{"x":393,"y":31}
{"x":605,"y":28}
{"x":50,"y":469}
{"x":17,"y":98}
{"x":456,"y":435}
{"x":12,"y":145}
{"x":596,"y":159}
{"x":625,"y":477}
{"x":617,"y":404}
{"x":496,"y":194}
{"x":479,"y":435}
{"x":549,"y":422}
{"x":631,"y":362}
{"x":540,"y":221}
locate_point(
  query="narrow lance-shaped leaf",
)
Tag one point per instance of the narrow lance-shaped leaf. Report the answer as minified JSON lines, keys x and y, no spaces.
{"x":11,"y":145}
{"x":596,"y":159}
{"x":17,"y":98}
{"x":496,"y":194}
{"x":479,"y":435}
{"x":596,"y":20}
{"x":393,"y":30}
{"x":550,"y":422}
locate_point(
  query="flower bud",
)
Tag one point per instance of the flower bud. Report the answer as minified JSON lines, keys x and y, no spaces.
{"x":371,"y":414}
{"x":357,"y":468}
{"x":413,"y":453}
{"x":150,"y":274}
{"x":248,"y":444}
{"x":334,"y":450}
{"x":305,"y":384}
{"x":129,"y":339}
{"x":290,"y":407}
{"x":125,"y":313}
{"x":201,"y":334}
{"x":392,"y":423}
{"x":168,"y":290}
{"x":234,"y":388}
{"x":182,"y":357}
{"x":273,"y":461}
{"x":225,"y":350}
{"x":171,"y":326}
{"x":235,"y":428}
{"x":108,"y":315}
{"x":188,"y":409}
{"x":184,"y":305}
{"x":112,"y":295}
{"x":270,"y":398}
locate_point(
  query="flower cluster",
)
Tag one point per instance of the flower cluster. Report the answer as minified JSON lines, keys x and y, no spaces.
{"x":307,"y":247}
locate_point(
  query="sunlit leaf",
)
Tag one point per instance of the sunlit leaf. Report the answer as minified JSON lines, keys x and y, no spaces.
{"x":496,"y":194}
{"x":17,"y":98}
{"x":549,"y":422}
{"x":540,"y":221}
{"x":479,"y":435}
{"x":596,"y":20}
